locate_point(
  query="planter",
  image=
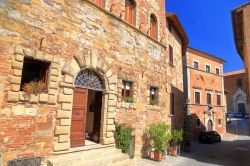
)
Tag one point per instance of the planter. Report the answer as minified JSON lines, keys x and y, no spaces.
{"x":158,"y":155}
{"x":173,"y":150}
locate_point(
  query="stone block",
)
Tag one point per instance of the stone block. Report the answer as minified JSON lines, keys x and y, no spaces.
{"x":111,"y":115}
{"x":17,"y":65}
{"x":6,"y":111}
{"x":39,"y":55}
{"x":43,"y":98}
{"x":112,"y":103}
{"x":15,"y":87}
{"x":52,"y":99}
{"x":110,"y":121}
{"x":63,"y":114}
{"x":18,"y":50}
{"x":109,"y":134}
{"x":29,"y":52}
{"x":12,"y":96}
{"x":34,"y":98}
{"x":107,"y":141}
{"x":62,"y":130}
{"x":66,"y":106}
{"x":18,"y":110}
{"x":80,"y":59}
{"x":53,"y":78}
{"x":68,"y":79}
{"x":109,"y":73}
{"x":65,"y":98}
{"x":30,"y":111}
{"x":110,"y":127}
{"x":67,"y":91}
{"x":47,"y":57}
{"x":112,"y":97}
{"x":56,"y":60}
{"x":54,"y":66}
{"x":113,"y":80}
{"x":23,"y":96}
{"x":54,"y":72}
{"x":15,"y":80}
{"x":61,"y":146}
{"x":63,"y":138}
{"x":112,"y":87}
{"x":53,"y":85}
{"x":19,"y":58}
{"x":111,"y":109}
{"x":65,"y":122}
{"x":17,"y":72}
{"x":52,"y":91}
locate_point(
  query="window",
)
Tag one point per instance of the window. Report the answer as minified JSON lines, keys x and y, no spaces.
{"x":171,"y":58}
{"x":34,"y":70}
{"x":208,"y":68}
{"x":99,"y":3}
{"x":196,"y":65}
{"x":198,"y":122}
{"x":217,"y":71}
{"x":239,"y":82}
{"x":127,"y":89}
{"x":218,"y":100}
{"x":209,"y":99}
{"x":153,"y":26}
{"x":197,"y":97}
{"x":172,"y":102}
{"x":154,"y":95}
{"x":219,"y":122}
{"x":130,"y":11}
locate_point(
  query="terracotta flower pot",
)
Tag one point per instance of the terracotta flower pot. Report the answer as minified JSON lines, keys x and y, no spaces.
{"x":173,"y":150}
{"x":157,"y":155}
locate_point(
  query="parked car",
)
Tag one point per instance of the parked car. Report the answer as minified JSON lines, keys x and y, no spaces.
{"x":230,"y":114}
{"x":209,"y":137}
{"x":239,"y":115}
{"x":246,"y":116}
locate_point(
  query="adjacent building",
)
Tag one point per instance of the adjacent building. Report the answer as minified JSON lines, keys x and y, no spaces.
{"x":241,"y":29}
{"x":70,"y":70}
{"x":235,"y":83}
{"x":204,"y":92}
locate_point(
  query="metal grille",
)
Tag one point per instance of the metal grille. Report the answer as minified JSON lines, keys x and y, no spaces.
{"x":89,"y":80}
{"x":25,"y":162}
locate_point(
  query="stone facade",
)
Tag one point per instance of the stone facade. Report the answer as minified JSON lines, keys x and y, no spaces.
{"x":235,"y":83}
{"x":198,"y":80}
{"x":77,"y":35}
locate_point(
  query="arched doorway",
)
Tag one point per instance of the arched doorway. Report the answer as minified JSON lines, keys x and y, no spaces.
{"x":209,"y":125}
{"x":87,"y":108}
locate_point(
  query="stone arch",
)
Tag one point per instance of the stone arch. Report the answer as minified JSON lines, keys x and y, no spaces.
{"x":239,"y":97}
{"x":81,"y":61}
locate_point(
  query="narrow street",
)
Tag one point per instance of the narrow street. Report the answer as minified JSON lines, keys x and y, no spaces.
{"x":234,"y":150}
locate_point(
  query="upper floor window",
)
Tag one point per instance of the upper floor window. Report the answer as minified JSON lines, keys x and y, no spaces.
{"x":153,"y":26}
{"x":197,"y":97}
{"x":208,"y":69}
{"x":239,"y":82}
{"x":218,"y":99}
{"x":127,"y":91}
{"x":154,"y":95}
{"x":99,"y":3}
{"x":217,"y":71}
{"x":171,"y":56}
{"x":209,"y":99}
{"x":130,"y":11}
{"x":198,"y":122}
{"x":196,"y":65}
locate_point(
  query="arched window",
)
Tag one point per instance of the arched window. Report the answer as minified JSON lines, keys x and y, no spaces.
{"x":99,"y":2}
{"x":130,"y":11}
{"x":153,"y":26}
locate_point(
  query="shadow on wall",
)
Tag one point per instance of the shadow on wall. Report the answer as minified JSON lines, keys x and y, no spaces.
{"x":197,"y":126}
{"x":238,"y":126}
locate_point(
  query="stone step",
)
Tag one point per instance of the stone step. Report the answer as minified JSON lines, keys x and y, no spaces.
{"x":95,"y":157}
{"x":128,"y":162}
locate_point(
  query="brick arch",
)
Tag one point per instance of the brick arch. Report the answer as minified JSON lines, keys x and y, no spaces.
{"x":80,"y":61}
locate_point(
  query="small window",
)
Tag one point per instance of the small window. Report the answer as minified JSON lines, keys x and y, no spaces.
{"x":99,"y":3}
{"x":219,"y":122}
{"x":198,"y":122}
{"x":154,"y":95}
{"x":196,"y":65}
{"x":34,"y":70}
{"x":127,"y":91}
{"x":217,"y":71}
{"x":239,"y":82}
{"x":130,"y":11}
{"x":153,"y":26}
{"x":208,"y":68}
{"x":171,"y":58}
{"x":172,"y":103}
{"x":197,"y":98}
{"x":209,"y":99}
{"x":218,"y":99}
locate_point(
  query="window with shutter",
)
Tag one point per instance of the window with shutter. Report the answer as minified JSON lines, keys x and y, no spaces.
{"x":130,"y":11}
{"x":153,"y":26}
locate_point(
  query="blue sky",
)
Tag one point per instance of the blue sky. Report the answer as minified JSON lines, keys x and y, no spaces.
{"x":209,"y":27}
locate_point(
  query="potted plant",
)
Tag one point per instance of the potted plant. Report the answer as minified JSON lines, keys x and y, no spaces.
{"x":176,"y":138}
{"x":34,"y":87}
{"x":187,"y":136}
{"x":159,"y":134}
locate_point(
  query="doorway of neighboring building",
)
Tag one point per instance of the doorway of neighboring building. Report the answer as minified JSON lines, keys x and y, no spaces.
{"x":209,"y":125}
{"x":241,"y":108}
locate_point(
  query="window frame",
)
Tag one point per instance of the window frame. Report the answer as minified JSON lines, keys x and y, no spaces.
{"x":156,"y":95}
{"x":219,"y":122}
{"x":124,"y":91}
{"x":195,"y":61}
{"x":197,"y":91}
{"x":217,"y":68}
{"x":196,"y":120}
{"x":218,"y":103}
{"x":206,"y":68}
{"x":210,"y":98}
{"x":131,"y":19}
{"x":100,"y":3}
{"x":153,"y":34}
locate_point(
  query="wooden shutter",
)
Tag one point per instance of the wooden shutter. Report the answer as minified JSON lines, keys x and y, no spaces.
{"x":153,"y":27}
{"x":99,"y":2}
{"x":129,"y":11}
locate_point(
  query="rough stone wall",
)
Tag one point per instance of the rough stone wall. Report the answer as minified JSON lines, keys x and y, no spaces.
{"x":205,"y":83}
{"x":57,"y":30}
{"x":230,"y":83}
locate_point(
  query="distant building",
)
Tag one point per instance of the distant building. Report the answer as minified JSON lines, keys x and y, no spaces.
{"x":204,"y":92}
{"x":241,"y":29}
{"x":236,"y":91}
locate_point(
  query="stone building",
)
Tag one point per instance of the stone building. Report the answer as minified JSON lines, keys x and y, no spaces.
{"x":204,"y":92}
{"x":235,"y":83}
{"x":241,"y":29}
{"x":72,"y":69}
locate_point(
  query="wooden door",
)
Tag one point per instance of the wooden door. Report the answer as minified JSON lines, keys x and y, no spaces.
{"x":78,"y":120}
{"x":97,"y":115}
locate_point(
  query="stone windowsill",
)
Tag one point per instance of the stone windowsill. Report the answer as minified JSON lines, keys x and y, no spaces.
{"x":154,"y":107}
{"x":127,"y":105}
{"x":171,"y":115}
{"x":171,"y":64}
